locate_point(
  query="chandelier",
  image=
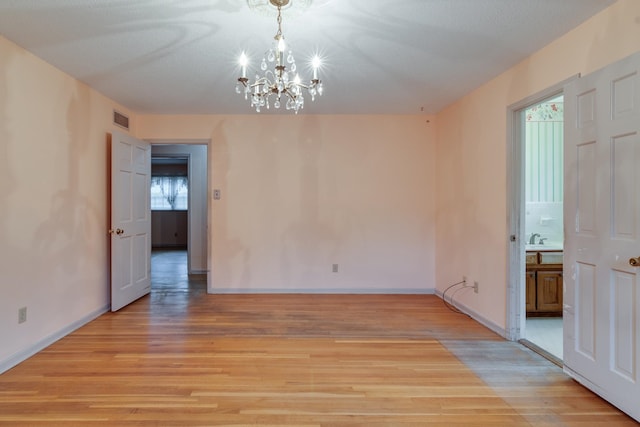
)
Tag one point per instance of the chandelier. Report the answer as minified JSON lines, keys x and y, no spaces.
{"x":281,"y":83}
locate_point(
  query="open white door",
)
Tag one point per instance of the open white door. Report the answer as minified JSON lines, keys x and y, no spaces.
{"x":602,"y":239}
{"x":130,"y":220}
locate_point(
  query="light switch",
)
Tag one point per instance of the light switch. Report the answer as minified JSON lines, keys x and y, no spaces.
{"x":216,"y":194}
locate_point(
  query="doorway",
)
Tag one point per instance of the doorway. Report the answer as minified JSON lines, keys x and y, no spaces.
{"x":543,"y":182}
{"x":169,"y":221}
{"x":179,"y":216}
{"x":536,"y":133}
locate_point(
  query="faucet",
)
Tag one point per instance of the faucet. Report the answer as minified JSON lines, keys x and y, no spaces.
{"x":541,"y":241}
{"x":532,"y":239}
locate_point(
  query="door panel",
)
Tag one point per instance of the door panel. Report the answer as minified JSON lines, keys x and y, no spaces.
{"x":623,"y":334}
{"x":623,"y":198}
{"x":586,"y":189}
{"x":602,"y":300}
{"x":131,"y":220}
{"x":585,"y":311}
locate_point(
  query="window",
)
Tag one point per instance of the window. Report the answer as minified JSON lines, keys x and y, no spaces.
{"x":169,"y":193}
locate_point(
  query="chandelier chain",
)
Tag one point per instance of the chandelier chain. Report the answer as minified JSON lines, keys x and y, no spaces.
{"x":279,"y":33}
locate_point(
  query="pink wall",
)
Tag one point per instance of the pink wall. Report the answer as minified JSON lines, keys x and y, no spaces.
{"x":300,"y":193}
{"x":472,"y":237}
{"x":53,"y":194}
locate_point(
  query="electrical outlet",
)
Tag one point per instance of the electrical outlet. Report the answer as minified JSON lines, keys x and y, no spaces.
{"x":22,"y":314}
{"x":335,"y":268}
{"x":475,"y":287}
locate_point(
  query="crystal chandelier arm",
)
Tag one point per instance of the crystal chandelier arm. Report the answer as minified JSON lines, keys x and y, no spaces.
{"x":262,"y":81}
{"x":287,"y":92}
{"x":269,"y":76}
{"x":301,"y":85}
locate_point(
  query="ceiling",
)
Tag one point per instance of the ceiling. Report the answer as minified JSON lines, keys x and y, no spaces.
{"x":379,"y":56}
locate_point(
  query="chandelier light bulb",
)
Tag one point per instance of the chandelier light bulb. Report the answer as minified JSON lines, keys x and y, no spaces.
{"x":243,"y":63}
{"x":315,"y":62}
{"x":278,"y":81}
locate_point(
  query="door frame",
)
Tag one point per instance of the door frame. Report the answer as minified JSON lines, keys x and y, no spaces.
{"x":516,"y":295}
{"x":208,"y":159}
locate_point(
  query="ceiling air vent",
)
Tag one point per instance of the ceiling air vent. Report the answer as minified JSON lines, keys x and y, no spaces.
{"x":120,"y":119}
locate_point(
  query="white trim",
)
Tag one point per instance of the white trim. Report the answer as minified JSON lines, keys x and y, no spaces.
{"x":185,"y":141}
{"x":341,"y":291}
{"x":475,"y":316}
{"x":515,"y":207}
{"x":26,"y":353}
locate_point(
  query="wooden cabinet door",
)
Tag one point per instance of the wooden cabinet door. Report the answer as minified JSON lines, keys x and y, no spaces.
{"x":531,"y":292}
{"x":549,"y":292}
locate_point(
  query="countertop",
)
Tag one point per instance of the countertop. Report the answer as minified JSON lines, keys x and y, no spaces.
{"x":545,"y":247}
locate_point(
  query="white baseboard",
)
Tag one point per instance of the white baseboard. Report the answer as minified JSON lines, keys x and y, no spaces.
{"x":476,"y":316}
{"x":23,"y":355}
{"x":360,"y":291}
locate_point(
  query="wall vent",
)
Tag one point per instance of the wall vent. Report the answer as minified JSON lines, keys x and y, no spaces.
{"x":120,"y":119}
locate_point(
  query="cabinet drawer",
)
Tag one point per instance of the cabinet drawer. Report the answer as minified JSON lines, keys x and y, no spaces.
{"x":531,"y":257}
{"x":551,"y":258}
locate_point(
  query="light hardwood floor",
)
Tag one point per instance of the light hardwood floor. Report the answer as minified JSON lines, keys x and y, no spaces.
{"x":180,"y":357}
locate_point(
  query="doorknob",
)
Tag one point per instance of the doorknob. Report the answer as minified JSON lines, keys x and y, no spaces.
{"x":634,"y":262}
{"x":117,"y":231}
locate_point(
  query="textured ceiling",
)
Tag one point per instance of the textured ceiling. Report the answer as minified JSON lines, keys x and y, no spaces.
{"x":380,"y":56}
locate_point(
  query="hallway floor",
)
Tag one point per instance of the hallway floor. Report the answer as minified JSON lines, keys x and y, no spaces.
{"x":169,"y":275}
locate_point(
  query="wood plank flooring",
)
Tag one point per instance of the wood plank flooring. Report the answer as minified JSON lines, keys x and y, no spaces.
{"x":180,"y":357}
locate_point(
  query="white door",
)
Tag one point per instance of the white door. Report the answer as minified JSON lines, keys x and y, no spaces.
{"x":130,"y":220}
{"x":602,"y":224}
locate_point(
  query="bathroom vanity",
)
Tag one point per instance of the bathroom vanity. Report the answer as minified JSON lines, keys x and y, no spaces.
{"x":544,"y":281}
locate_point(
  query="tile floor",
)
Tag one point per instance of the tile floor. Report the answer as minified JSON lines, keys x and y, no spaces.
{"x":546,"y":333}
